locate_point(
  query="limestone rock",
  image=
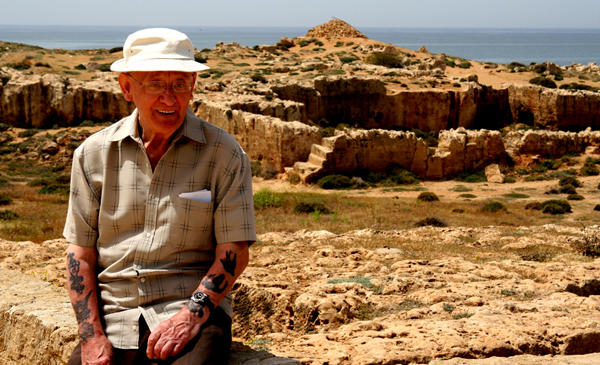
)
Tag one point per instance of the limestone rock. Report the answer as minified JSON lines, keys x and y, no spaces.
{"x":493,"y":174}
{"x":335,"y":29}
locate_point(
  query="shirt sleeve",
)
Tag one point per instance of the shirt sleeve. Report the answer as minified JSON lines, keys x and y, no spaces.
{"x":234,"y":214}
{"x":81,"y":226}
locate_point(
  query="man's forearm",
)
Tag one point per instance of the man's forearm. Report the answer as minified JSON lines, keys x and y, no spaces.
{"x":230,"y":261}
{"x":83,"y":290}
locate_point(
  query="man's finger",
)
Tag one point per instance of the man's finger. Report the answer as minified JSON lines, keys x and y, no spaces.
{"x":166,"y":350}
{"x":150,"y":346}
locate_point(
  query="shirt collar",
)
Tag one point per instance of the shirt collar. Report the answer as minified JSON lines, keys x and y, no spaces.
{"x":192,"y":128}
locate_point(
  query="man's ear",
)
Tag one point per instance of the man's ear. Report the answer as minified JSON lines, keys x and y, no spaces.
{"x":125,"y":84}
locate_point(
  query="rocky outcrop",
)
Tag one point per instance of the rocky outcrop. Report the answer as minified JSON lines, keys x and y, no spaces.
{"x":364,"y":150}
{"x":43,"y":101}
{"x":554,"y":109}
{"x":550,"y":144}
{"x":360,"y":297}
{"x":463,"y":150}
{"x":353,"y":151}
{"x":275,"y":142}
{"x":365,"y":103}
{"x":335,"y":28}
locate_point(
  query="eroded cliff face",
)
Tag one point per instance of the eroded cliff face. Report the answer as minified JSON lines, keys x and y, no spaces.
{"x":33,"y":101}
{"x":273,"y":122}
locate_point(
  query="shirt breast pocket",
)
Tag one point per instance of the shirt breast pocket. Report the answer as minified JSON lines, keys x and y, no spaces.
{"x":192,"y":227}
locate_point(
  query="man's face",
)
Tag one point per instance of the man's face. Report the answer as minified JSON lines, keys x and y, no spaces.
{"x":161,"y":113}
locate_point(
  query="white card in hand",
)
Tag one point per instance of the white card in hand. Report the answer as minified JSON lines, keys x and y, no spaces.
{"x":200,"y":196}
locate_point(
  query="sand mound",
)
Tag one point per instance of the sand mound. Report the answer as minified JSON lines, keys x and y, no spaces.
{"x":335,"y":29}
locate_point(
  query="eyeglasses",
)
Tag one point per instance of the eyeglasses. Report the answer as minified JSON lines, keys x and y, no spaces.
{"x":159,"y":87}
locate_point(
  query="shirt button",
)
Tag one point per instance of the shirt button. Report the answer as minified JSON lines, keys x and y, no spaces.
{"x":148,"y":234}
{"x":134,"y":327}
{"x":143,"y":280}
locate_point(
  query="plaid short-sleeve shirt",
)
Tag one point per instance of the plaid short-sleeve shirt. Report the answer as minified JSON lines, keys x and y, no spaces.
{"x":154,"y":246}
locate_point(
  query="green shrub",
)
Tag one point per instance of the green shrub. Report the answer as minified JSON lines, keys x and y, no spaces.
{"x":464,"y":64}
{"x":365,"y":281}
{"x":575,"y":87}
{"x":493,"y":207}
{"x":472,"y":177}
{"x":556,"y":206}
{"x":542,"y":81}
{"x":540,"y":68}
{"x":512,"y":65}
{"x":80,"y":67}
{"x":567,"y":189}
{"x":510,"y":179}
{"x":87,"y":123}
{"x":383,"y":59}
{"x":428,"y":196}
{"x":200,"y":59}
{"x":294,"y":179}
{"x":348,"y":59}
{"x":256,"y":168}
{"x":55,"y":189}
{"x":115,"y":49}
{"x":265,"y":198}
{"x":533,"y":206}
{"x":105,"y":67}
{"x":569,"y":180}
{"x":431,"y":221}
{"x":551,"y":164}
{"x":21,"y":66}
{"x":5,"y":200}
{"x":575,"y":197}
{"x":336,"y":182}
{"x":5,"y":79}
{"x":589,"y":169}
{"x":269,"y":173}
{"x":8,"y":215}
{"x":597,"y":207}
{"x":4,"y":127}
{"x":258,"y":78}
{"x":311,"y":207}
{"x":28,"y":133}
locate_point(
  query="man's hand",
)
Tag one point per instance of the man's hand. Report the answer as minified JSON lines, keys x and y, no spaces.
{"x":97,"y":351}
{"x":171,"y":336}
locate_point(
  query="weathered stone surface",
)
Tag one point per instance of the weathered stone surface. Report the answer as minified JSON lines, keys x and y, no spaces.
{"x":277,"y":143}
{"x":493,"y":174}
{"x":37,"y":324}
{"x":42,"y":101}
{"x":335,"y":28}
{"x":554,"y":109}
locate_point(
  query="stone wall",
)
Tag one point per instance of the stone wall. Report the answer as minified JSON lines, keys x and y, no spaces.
{"x":37,"y":323}
{"x":275,"y":142}
{"x":554,"y":109}
{"x":33,"y":101}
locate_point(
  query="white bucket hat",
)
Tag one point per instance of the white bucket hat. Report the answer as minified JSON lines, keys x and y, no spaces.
{"x":158,"y":49}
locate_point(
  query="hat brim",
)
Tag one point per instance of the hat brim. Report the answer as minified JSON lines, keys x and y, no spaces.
{"x":168,"y":64}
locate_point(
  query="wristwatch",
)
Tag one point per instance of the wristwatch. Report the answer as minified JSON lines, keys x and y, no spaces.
{"x":203,"y":299}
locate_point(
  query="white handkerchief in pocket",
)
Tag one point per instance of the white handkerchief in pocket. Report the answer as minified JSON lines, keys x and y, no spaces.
{"x":200,"y":196}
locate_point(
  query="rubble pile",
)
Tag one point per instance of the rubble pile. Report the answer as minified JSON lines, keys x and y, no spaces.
{"x":335,"y":29}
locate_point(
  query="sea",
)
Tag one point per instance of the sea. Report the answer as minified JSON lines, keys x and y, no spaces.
{"x":497,"y":45}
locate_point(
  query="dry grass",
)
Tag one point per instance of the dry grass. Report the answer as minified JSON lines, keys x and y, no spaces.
{"x":41,"y":216}
{"x":356,"y":212}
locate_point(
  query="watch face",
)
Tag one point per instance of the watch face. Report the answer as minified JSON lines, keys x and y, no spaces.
{"x":199,"y":297}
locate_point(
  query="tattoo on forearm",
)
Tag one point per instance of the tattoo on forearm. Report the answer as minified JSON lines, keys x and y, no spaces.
{"x":82,"y":313}
{"x":196,"y":308}
{"x":75,"y":279}
{"x":229,"y":264}
{"x":215,"y":283}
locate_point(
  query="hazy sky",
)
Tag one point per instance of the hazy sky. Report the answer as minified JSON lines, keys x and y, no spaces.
{"x":308,"y":13}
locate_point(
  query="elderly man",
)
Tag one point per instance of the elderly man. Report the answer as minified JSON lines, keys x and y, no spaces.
{"x":160,"y":219}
